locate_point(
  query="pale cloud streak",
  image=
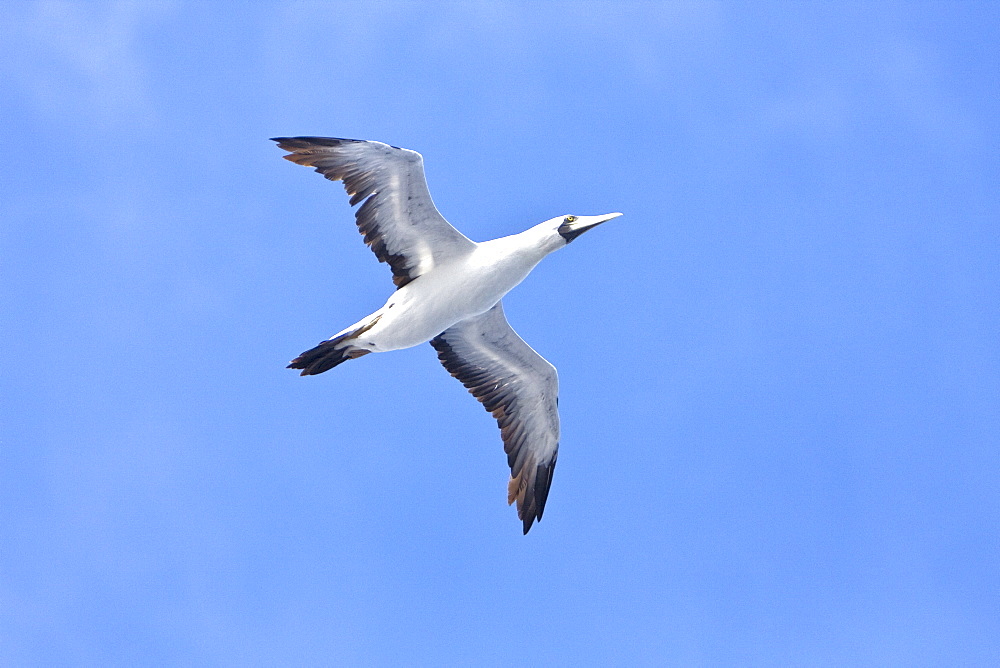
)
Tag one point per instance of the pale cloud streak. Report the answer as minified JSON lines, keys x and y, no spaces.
{"x":79,"y":62}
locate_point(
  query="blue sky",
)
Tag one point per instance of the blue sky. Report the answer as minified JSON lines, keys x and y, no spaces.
{"x":779,"y":370}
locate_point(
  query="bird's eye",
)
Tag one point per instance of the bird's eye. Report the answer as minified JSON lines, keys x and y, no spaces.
{"x":569,"y":219}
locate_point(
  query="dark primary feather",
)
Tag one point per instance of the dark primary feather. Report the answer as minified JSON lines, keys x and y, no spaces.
{"x":520,"y":388}
{"x":397,"y":216}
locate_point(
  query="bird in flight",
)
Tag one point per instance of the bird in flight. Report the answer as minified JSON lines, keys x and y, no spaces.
{"x":448,"y":292}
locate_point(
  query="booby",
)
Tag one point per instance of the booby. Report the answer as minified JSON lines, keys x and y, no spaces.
{"x":448,"y":292}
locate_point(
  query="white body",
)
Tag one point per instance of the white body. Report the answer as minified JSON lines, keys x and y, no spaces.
{"x":449,"y":293}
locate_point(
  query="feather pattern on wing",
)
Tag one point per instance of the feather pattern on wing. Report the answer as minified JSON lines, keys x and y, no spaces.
{"x":397,"y":215}
{"x":520,"y":388}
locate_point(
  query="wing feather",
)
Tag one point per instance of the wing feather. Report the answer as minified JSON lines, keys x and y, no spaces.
{"x":520,"y":388}
{"x":397,"y":215}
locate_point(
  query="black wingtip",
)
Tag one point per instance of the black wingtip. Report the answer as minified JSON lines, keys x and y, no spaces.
{"x":305,"y":142}
{"x":543,"y":482}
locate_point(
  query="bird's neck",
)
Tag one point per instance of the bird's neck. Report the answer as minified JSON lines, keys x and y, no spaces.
{"x":510,"y":259}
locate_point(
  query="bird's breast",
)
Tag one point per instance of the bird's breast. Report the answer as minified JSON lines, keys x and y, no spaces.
{"x":433,"y":302}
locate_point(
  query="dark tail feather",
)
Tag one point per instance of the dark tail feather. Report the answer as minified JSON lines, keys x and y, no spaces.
{"x":324,"y":357}
{"x":330,"y":353}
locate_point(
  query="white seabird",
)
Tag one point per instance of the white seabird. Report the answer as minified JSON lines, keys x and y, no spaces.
{"x":448,"y":292}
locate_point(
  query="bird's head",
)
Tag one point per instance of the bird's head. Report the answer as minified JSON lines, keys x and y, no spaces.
{"x":570,"y":227}
{"x":555,"y":233}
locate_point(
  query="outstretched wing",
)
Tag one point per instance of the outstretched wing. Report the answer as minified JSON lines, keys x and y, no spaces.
{"x":520,"y":388}
{"x":397,"y":217}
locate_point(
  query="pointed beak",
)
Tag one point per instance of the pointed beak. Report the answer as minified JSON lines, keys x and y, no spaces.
{"x":570,"y":230}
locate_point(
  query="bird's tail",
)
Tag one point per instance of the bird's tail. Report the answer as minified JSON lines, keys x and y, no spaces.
{"x":332,"y":352}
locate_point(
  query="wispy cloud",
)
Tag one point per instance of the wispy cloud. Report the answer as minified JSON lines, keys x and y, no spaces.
{"x":891,"y":78}
{"x":78,"y":60}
